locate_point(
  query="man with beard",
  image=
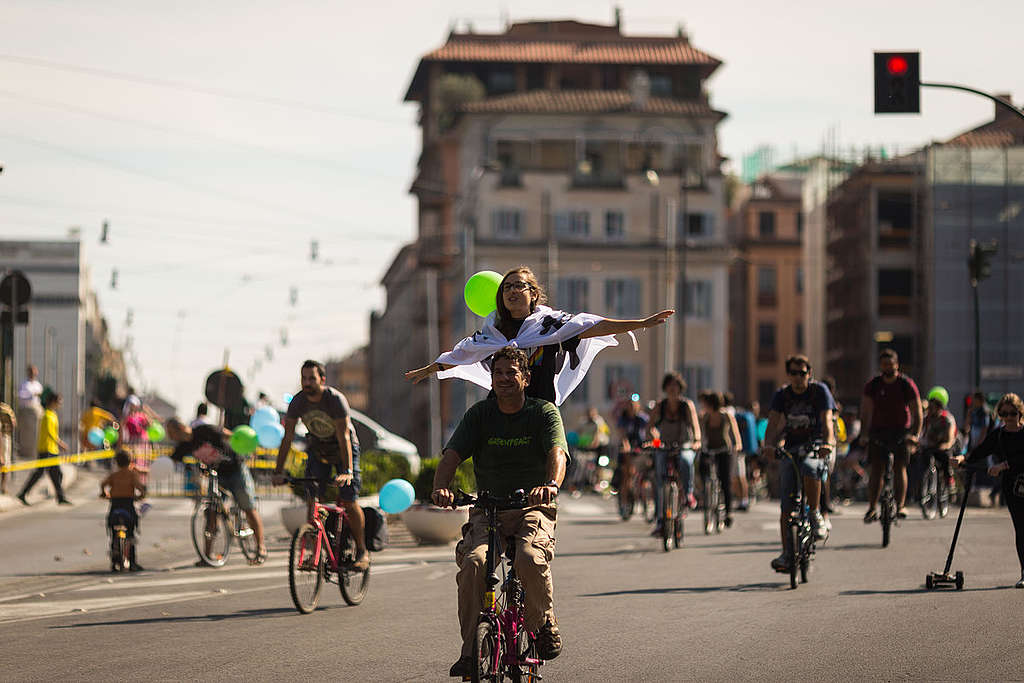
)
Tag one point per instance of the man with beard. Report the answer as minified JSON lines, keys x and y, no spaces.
{"x":332,"y":446}
{"x":890,"y":412}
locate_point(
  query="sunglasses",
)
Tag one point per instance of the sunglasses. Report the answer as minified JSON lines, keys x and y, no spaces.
{"x":517,"y":286}
{"x":1009,"y":413}
{"x":797,"y":373}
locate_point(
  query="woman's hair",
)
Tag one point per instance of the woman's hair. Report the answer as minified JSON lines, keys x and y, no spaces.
{"x":674,"y":377}
{"x":537,"y":296}
{"x":1012,"y":400}
{"x":712,"y":398}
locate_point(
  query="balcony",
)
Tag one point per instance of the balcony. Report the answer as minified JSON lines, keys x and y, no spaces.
{"x":607,"y":180}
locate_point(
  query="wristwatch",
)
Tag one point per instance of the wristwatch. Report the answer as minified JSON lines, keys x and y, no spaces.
{"x":552,"y":482}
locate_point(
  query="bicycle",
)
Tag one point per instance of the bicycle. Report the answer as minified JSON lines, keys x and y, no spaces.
{"x":673,"y":506}
{"x":711,"y":487}
{"x":800,"y":537}
{"x":120,"y":542}
{"x":215,"y":524}
{"x":502,"y":647}
{"x":316,"y":553}
{"x":934,"y":493}
{"x":638,"y":489}
{"x":887,"y":512}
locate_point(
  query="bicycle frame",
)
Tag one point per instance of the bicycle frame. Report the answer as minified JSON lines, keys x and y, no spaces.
{"x":317,"y":512}
{"x":798,"y":523}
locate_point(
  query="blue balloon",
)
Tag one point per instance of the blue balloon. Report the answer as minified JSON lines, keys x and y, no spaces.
{"x":264,"y":415}
{"x":270,"y":435}
{"x":396,"y":496}
{"x":95,"y":437}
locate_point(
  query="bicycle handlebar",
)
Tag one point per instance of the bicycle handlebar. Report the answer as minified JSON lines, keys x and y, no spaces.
{"x":801,"y":451}
{"x":484,"y":500}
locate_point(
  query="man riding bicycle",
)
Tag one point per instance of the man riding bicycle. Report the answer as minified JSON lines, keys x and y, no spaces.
{"x":632,"y":426}
{"x":800,"y":413}
{"x":515,"y":443}
{"x":331,"y":447}
{"x":890,"y":412}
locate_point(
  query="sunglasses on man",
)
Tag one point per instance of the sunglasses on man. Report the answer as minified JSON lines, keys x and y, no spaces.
{"x":797,"y":373}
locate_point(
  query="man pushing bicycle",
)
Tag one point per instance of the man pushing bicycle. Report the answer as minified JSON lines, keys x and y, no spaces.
{"x":515,"y":443}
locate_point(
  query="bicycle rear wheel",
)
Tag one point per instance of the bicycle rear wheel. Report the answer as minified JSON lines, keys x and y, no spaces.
{"x":246,"y":536}
{"x":625,"y":505}
{"x":527,"y":649}
{"x":710,"y":504}
{"x":305,"y":572}
{"x":486,"y":653}
{"x":211,"y":534}
{"x":793,"y":539}
{"x":647,"y":498}
{"x":929,"y":491}
{"x":352,"y":583}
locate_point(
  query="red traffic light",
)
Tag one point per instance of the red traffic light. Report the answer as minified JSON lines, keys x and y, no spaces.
{"x":896,"y":65}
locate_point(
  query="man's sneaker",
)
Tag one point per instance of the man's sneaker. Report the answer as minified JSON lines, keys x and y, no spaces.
{"x":902,"y":513}
{"x":63,"y":501}
{"x":136,"y":567}
{"x":870,"y":516}
{"x":828,"y":523}
{"x":691,"y":501}
{"x":728,"y":521}
{"x":549,"y":641}
{"x":658,"y":526}
{"x":818,"y":525}
{"x":21,"y":497}
{"x":362,"y":562}
{"x":463,"y":668}
{"x":781,"y":563}
{"x":1020,"y":584}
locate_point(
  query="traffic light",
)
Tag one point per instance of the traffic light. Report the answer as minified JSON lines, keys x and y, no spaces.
{"x":979,"y":261}
{"x":897,"y":83}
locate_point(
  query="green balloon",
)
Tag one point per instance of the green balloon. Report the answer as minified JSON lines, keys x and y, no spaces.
{"x":156,"y":432}
{"x":244,"y":440}
{"x":481,"y":292}
{"x":110,"y":435}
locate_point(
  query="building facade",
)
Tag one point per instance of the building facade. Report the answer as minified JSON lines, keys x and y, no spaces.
{"x":768,"y":283}
{"x":351,"y":376}
{"x":588,"y":155}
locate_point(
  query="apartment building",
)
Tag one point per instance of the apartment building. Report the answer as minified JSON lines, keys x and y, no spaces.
{"x":768,"y":286}
{"x":590,"y":156}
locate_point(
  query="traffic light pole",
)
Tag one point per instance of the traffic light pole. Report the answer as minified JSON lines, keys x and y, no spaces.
{"x":977,"y":337}
{"x":995,"y":99}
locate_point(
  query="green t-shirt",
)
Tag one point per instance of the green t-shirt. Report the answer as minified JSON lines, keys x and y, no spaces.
{"x":509,"y":451}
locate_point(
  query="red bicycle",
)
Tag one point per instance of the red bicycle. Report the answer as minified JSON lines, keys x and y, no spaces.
{"x":317,"y":552}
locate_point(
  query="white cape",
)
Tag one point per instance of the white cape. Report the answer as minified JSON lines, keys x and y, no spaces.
{"x":543,"y":327}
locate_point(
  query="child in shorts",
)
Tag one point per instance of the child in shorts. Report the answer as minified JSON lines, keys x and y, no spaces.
{"x":125,"y":487}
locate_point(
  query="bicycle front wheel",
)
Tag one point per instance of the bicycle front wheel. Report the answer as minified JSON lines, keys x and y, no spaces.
{"x":352,"y":583}
{"x":929,"y":492}
{"x":211,"y":535}
{"x":305,"y":569}
{"x":791,"y":552}
{"x":486,"y":653}
{"x":246,"y":536}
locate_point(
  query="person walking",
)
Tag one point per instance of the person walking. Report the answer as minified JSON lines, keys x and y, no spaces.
{"x":8,"y":421}
{"x":49,"y":445}
{"x":1006,"y":444}
{"x":30,"y":412}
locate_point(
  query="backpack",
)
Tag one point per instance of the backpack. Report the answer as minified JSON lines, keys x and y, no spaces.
{"x":376,"y":529}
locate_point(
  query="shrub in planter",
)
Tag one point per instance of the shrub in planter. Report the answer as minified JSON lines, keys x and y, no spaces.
{"x":376,"y":469}
{"x":424,"y":484}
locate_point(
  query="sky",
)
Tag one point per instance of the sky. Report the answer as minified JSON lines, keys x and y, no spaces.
{"x":220,"y":139}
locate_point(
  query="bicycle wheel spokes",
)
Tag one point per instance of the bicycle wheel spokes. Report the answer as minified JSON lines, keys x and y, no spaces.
{"x":246,"y":536}
{"x":211,"y":536}
{"x":352,"y":583}
{"x":485,"y":653}
{"x":305,"y":569}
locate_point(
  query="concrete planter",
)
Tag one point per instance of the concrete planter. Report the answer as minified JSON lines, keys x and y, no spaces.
{"x":293,"y":517}
{"x":432,"y":525}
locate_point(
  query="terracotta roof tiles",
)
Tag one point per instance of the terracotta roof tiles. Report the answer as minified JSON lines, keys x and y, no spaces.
{"x":625,"y":51}
{"x":585,"y":102}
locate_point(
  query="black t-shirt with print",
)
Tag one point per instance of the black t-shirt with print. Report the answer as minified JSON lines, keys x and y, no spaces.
{"x":319,"y":417}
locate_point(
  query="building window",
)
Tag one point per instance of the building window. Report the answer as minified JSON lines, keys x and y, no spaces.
{"x":507,"y":223}
{"x":800,"y":337}
{"x":698,"y":225}
{"x":698,"y":299}
{"x":799,"y":280}
{"x":501,"y":81}
{"x":895,"y":291}
{"x":766,"y":350}
{"x":614,"y":225}
{"x":572,"y":224}
{"x":895,"y":211}
{"x":766,"y":224}
{"x":767,"y":286}
{"x":661,"y":85}
{"x":572,"y":294}
{"x":765,"y":393}
{"x":622,"y":381}
{"x":698,"y":378}
{"x":622,"y":298}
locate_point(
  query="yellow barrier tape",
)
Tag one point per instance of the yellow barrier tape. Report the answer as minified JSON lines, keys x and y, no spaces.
{"x":153,"y":453}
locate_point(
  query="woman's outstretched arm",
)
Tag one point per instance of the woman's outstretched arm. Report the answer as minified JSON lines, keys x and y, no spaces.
{"x":610,"y":326}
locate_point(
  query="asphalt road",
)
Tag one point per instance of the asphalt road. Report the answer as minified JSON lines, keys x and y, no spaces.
{"x":628,"y":611}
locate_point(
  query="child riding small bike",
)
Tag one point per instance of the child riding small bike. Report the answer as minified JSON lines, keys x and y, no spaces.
{"x":123,"y":487}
